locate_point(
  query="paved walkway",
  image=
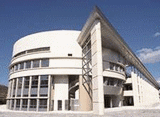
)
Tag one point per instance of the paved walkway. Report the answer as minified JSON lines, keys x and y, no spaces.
{"x":111,"y":112}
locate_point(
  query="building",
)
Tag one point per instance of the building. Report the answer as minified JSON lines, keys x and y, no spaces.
{"x":85,"y":70}
{"x":3,"y":94}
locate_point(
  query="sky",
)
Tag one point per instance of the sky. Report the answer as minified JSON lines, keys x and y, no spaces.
{"x":138,"y":23}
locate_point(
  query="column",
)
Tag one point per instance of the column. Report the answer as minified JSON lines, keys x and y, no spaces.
{"x":97,"y":69}
{"x":85,"y":99}
{"x":16,"y":87}
{"x":22,"y":88}
{"x":49,"y":92}
{"x":29,"y":92}
{"x":38,"y":91}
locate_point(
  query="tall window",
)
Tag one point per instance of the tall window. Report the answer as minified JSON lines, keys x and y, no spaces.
{"x":28,"y":64}
{"x":16,"y":67}
{"x":26,"y":82}
{"x":21,"y":65}
{"x":44,"y":81}
{"x":44,"y":62}
{"x":33,"y":103}
{"x":17,"y":103}
{"x":59,"y":104}
{"x":34,"y":81}
{"x":19,"y":83}
{"x":24,"y":103}
{"x":36,"y":63}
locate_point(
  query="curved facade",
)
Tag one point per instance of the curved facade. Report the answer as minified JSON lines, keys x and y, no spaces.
{"x":42,"y":66}
{"x":83,"y":70}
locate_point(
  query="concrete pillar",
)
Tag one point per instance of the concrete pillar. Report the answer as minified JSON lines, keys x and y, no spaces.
{"x":28,"y":104}
{"x":85,"y":99}
{"x":37,"y":109}
{"x":30,"y":84}
{"x":49,"y":92}
{"x":16,"y":87}
{"x":97,"y":69}
{"x":135,"y":89}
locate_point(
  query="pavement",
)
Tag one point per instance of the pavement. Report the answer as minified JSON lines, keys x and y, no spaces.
{"x":110,"y":112}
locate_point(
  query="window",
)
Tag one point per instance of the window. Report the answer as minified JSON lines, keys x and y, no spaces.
{"x":24,"y":103}
{"x":43,"y":103}
{"x":15,"y":82}
{"x":21,"y":65}
{"x":119,"y":83}
{"x":17,"y":103}
{"x":111,"y":81}
{"x":36,"y":63}
{"x":19,"y":83}
{"x":111,"y":66}
{"x":34,"y":81}
{"x":16,"y":67}
{"x":33,"y":103}
{"x":69,"y":54}
{"x":44,"y":81}
{"x":12,"y":103}
{"x":59,"y":104}
{"x":39,"y":49}
{"x":44,"y":62}
{"x":28,"y":64}
{"x":26,"y":82}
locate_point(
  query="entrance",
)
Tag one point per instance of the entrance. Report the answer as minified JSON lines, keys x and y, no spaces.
{"x":107,"y":102}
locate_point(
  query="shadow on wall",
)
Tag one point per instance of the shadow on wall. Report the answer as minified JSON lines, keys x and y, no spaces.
{"x":3,"y":94}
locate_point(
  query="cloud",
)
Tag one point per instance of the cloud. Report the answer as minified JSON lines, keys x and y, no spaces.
{"x":148,"y":55}
{"x":157,"y":34}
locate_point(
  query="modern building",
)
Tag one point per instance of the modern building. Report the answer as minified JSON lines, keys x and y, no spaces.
{"x":85,"y":70}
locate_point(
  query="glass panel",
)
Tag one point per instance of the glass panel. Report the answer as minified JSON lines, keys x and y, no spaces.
{"x":22,"y":65}
{"x":59,"y":104}
{"x":28,"y":64}
{"x":26,"y":82}
{"x":36,"y":63}
{"x":44,"y":81}
{"x":17,"y":103}
{"x":44,"y":62}
{"x":19,"y":83}
{"x":33,"y":103}
{"x":43,"y":103}
{"x":34,"y":81}
{"x":24,"y":103}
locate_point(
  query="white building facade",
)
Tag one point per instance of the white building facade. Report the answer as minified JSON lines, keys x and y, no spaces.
{"x":83,"y":70}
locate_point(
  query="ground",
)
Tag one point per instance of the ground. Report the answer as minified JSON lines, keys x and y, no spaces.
{"x":113,"y":112}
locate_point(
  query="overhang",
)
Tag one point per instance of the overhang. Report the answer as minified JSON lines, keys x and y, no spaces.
{"x":111,"y":39}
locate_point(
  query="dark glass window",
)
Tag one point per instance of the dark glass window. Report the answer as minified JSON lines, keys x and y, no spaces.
{"x":43,"y":103}
{"x":17,"y":103}
{"x":21,"y":65}
{"x":28,"y":64}
{"x":36,"y":63}
{"x":19,"y":83}
{"x":24,"y":103}
{"x":26,"y":82}
{"x":34,"y":81}
{"x":33,"y":103}
{"x":59,"y":104}
{"x":44,"y":81}
{"x":45,"y":63}
{"x":111,"y":66}
{"x":16,"y":67}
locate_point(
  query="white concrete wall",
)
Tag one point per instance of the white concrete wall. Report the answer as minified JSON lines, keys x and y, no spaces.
{"x":61,"y":42}
{"x":144,"y":93}
{"x":60,"y":90}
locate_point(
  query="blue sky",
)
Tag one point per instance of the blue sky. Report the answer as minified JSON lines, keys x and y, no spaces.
{"x":138,"y":22}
